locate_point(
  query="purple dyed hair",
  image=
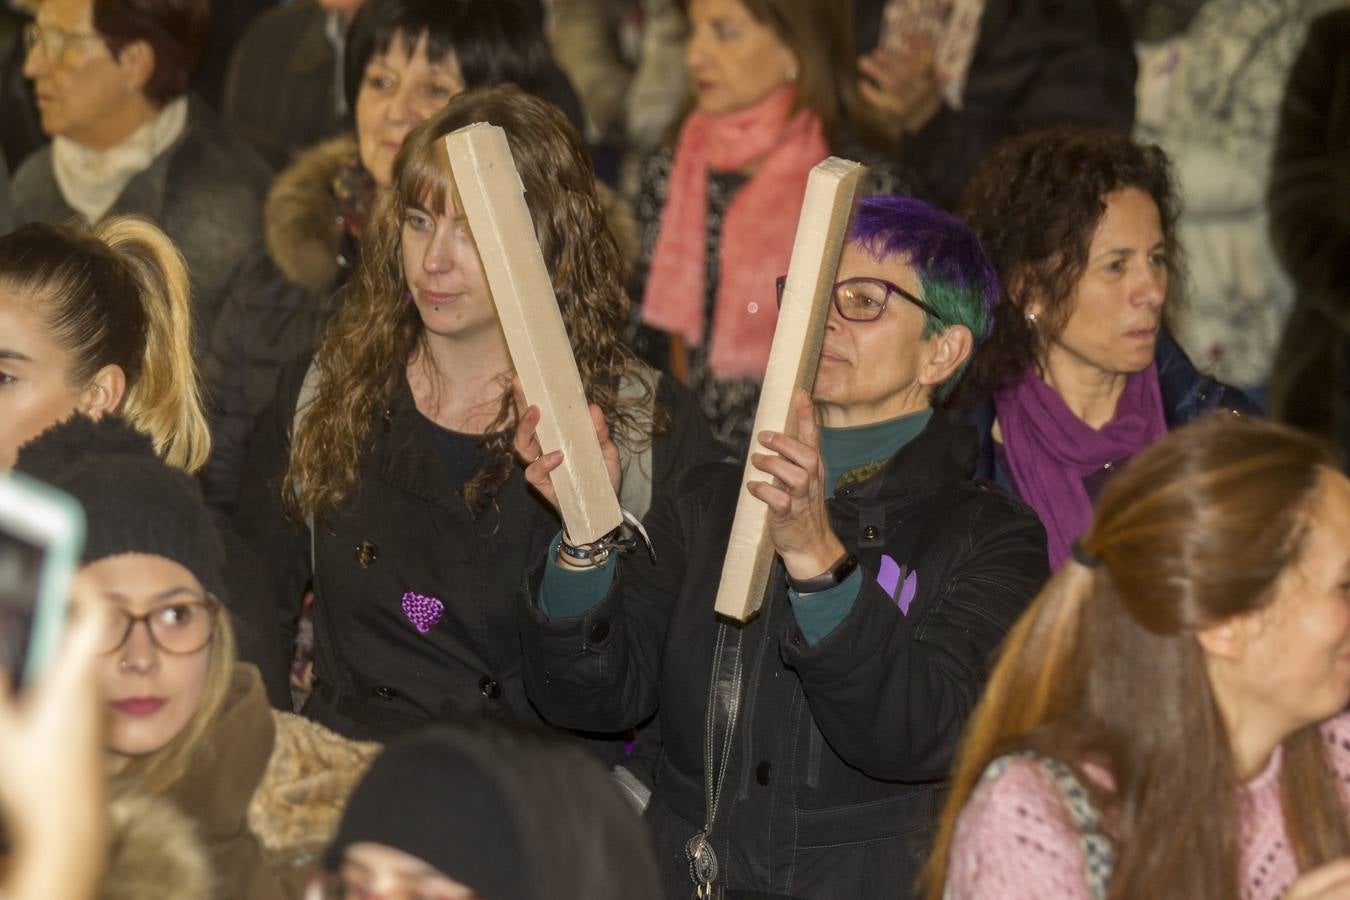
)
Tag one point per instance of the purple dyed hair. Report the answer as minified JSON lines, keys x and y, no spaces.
{"x":955,"y":276}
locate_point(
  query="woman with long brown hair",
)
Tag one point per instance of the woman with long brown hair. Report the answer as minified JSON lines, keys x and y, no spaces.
{"x":422,"y":525}
{"x":1167,"y":719}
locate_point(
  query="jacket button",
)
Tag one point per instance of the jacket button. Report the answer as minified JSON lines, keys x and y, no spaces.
{"x":367,"y":553}
{"x":489,"y":688}
{"x":384,"y":692}
{"x":599,"y":631}
{"x":870,"y":533}
{"x":763,"y":771}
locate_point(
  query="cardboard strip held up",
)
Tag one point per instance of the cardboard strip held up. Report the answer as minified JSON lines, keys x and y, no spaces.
{"x":494,"y":204}
{"x":830,"y":190}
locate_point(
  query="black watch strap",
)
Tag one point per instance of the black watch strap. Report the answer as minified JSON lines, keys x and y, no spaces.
{"x":831,"y":577}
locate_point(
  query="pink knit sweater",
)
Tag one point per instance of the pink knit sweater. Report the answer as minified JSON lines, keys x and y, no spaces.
{"x":1016,"y":837}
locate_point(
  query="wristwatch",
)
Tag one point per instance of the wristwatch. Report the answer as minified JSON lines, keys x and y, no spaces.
{"x":831,"y":577}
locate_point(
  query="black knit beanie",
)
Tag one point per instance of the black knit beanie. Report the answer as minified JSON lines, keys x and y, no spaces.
{"x":133,"y":501}
{"x":431,"y":796}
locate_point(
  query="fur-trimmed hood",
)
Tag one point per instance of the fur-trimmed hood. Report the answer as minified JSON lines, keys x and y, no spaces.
{"x":297,"y":807}
{"x":302,"y":216}
{"x":154,"y":852}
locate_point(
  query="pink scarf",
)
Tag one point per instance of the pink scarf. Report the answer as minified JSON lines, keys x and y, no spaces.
{"x":757,"y":236}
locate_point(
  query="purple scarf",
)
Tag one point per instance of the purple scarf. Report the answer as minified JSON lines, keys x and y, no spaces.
{"x":1050,"y":450}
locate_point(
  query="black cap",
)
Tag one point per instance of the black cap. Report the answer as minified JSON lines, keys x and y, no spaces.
{"x":133,"y":501}
{"x":430,"y":796}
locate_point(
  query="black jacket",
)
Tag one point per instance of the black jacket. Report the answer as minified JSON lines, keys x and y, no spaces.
{"x":404,"y":536}
{"x":836,"y":776}
{"x":277,"y":304}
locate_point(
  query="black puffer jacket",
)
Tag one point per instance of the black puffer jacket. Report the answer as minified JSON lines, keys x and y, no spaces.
{"x":276,"y":307}
{"x":402,"y":552}
{"x":835,"y":776}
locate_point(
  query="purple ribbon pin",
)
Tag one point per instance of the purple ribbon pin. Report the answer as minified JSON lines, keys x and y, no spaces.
{"x":889,"y":575}
{"x":422,"y":611}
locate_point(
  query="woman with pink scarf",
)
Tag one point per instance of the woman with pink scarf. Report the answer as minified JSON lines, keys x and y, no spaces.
{"x":774,"y":93}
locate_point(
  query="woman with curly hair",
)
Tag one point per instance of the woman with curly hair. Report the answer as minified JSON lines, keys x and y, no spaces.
{"x":1079,"y":373}
{"x":1168,"y":719}
{"x":420,"y":523}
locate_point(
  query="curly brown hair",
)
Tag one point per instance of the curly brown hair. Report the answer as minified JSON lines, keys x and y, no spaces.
{"x":1036,"y":202}
{"x":377,"y":332}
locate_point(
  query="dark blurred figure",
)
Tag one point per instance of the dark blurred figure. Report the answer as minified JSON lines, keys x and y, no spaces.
{"x":6,"y":207}
{"x":20,"y":129}
{"x":486,"y":811}
{"x":284,"y":88}
{"x":1309,"y":203}
{"x":953,"y":77}
{"x":230,"y":19}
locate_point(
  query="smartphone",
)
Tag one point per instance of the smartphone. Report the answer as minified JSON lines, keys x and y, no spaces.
{"x":41,"y":538}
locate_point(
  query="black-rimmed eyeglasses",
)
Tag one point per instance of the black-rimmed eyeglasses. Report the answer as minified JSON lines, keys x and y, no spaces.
{"x":864,"y":299}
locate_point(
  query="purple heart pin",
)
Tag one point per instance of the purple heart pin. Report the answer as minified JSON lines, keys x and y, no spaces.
{"x":422,"y":611}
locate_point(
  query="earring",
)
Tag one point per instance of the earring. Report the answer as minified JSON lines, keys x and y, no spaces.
{"x":407,"y":294}
{"x":1031,"y":319}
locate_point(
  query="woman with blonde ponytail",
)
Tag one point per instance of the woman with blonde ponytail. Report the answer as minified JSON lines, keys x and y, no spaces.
{"x":1166,"y":721}
{"x":97,"y":321}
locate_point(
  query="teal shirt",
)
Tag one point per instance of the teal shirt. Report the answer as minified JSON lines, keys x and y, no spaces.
{"x":566,"y":594}
{"x":861,"y":450}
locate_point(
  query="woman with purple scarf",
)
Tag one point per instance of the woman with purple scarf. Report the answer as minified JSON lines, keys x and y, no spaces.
{"x":1079,"y":374}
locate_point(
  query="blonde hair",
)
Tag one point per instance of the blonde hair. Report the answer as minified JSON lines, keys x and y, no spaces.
{"x":119,"y":295}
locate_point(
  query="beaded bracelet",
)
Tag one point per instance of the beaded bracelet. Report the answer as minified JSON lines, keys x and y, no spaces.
{"x":598,"y":552}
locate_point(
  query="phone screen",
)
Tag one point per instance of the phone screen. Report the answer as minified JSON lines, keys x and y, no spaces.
{"x":21,"y":565}
{"x":41,"y":535}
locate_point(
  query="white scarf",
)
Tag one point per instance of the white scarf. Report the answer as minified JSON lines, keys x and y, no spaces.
{"x":91,"y":180}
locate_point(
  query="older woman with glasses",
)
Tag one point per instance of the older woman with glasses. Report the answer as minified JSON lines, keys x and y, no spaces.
{"x":111,"y":78}
{"x":187,"y":722}
{"x":805,"y":751}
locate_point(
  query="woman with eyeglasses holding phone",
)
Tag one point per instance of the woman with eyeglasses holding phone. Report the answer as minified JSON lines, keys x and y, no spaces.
{"x":805,"y":751}
{"x":186,"y":721}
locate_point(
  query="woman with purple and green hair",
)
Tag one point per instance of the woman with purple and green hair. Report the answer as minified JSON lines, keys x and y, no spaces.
{"x":834,"y":714}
